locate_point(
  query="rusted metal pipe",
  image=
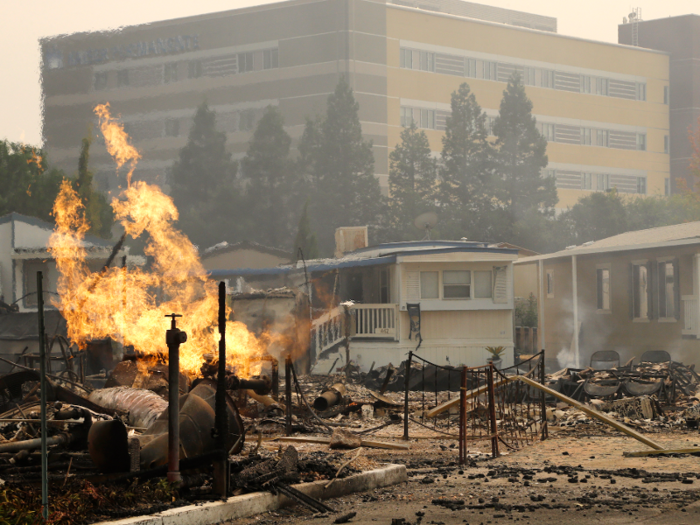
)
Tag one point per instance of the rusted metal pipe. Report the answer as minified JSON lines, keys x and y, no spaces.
{"x":405,"y":395}
{"x":330,"y":397}
{"x":143,"y":406}
{"x":174,"y":338}
{"x":221,"y":474}
{"x":288,"y":393}
{"x":260,"y":384}
{"x":34,"y":444}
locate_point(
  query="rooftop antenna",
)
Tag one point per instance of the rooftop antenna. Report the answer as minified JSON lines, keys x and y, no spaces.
{"x":426,"y":221}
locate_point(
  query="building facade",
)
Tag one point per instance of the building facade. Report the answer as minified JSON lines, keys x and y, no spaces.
{"x":677,"y":36}
{"x":601,"y":106}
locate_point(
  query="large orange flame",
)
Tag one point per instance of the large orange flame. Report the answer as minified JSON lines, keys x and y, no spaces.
{"x":131,"y":305}
{"x":117,"y":141}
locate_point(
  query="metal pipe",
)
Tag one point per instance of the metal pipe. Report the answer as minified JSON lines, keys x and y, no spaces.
{"x":34,"y":444}
{"x":405,"y":395}
{"x":221,"y":476}
{"x":173,"y":338}
{"x":492,"y":411}
{"x":42,"y":380}
{"x":463,"y":418}
{"x":330,"y":397}
{"x":143,"y":406}
{"x":288,"y":393}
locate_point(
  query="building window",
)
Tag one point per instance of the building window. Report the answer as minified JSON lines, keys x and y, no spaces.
{"x":640,"y":291}
{"x":490,"y":70}
{"x":666,"y":144}
{"x":668,"y":291}
{"x":641,"y":91}
{"x":406,"y":58}
{"x":194,"y":69}
{"x":586,"y":182}
{"x":427,"y":61}
{"x":550,"y":284}
{"x":427,"y":118}
{"x":602,"y":86}
{"x":641,"y":141}
{"x":586,"y":136}
{"x":642,"y":185}
{"x":30,"y":269}
{"x":547,"y":78}
{"x":529,"y":76}
{"x":470,"y":67}
{"x":603,"y":282}
{"x":172,"y":127}
{"x":489,"y":125}
{"x":170,"y":72}
{"x":483,"y":288}
{"x":406,"y":117}
{"x":602,"y":137}
{"x":666,"y":95}
{"x":602,"y":182}
{"x":429,"y":285}
{"x":122,"y":77}
{"x":456,"y":284}
{"x":549,"y":173}
{"x":667,"y":186}
{"x":270,"y":58}
{"x":585,"y":86}
{"x":101,"y":79}
{"x":548,"y":131}
{"x":246,"y":120}
{"x":245,"y":62}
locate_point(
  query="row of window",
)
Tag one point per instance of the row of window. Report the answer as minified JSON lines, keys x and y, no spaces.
{"x":532,"y":76}
{"x":176,"y":71}
{"x":581,"y":180}
{"x":654,"y":289}
{"x":565,"y":134}
{"x":456,"y":284}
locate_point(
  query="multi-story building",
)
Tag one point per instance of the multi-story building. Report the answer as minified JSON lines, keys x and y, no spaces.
{"x":677,"y":36}
{"x":600,"y":105}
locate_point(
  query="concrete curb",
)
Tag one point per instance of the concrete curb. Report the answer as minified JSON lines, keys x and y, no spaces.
{"x":259,"y":502}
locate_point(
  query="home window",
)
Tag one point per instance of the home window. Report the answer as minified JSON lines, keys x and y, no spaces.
{"x":456,"y":284}
{"x":245,"y":62}
{"x":483,"y":289}
{"x":101,"y":79}
{"x":470,"y":67}
{"x":547,"y":78}
{"x":406,"y":117}
{"x":603,"y":286}
{"x":586,"y":136}
{"x":642,"y":185}
{"x":641,"y":141}
{"x":586,"y":183}
{"x":585,"y":85}
{"x":666,"y":95}
{"x":550,"y":284}
{"x":602,"y":182}
{"x":427,"y":61}
{"x":427,"y":118}
{"x":602,"y":86}
{"x":668,"y":291}
{"x":547,"y":131}
{"x":490,"y":70}
{"x":640,"y":291}
{"x":529,"y":76}
{"x":30,"y":269}
{"x":601,"y":138}
{"x":170,"y":72}
{"x":122,"y":77}
{"x":641,"y":91}
{"x":270,"y":58}
{"x":194,"y":69}
{"x":666,"y":144}
{"x":429,"y":285}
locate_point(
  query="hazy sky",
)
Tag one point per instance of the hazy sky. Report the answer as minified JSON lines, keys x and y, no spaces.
{"x":23,"y":22}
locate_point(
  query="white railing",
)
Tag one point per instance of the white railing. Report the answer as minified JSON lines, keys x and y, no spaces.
{"x":691,"y":315}
{"x":375,"y":321}
{"x":328,"y":330}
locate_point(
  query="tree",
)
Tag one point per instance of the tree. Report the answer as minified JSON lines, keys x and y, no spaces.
{"x":412,"y":176}
{"x":340,"y":165}
{"x":98,"y":212}
{"x":203,"y":184}
{"x":519,"y":160}
{"x":27,"y":185}
{"x":272,"y":186}
{"x":306,"y":238}
{"x":465,"y":191}
{"x":597,"y":216}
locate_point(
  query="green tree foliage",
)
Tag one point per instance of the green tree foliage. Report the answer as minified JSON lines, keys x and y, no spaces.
{"x":519,"y":160}
{"x":597,"y":216}
{"x":203,"y":184}
{"x":412,"y":177}
{"x":98,"y":211}
{"x":27,"y":185}
{"x":465,"y":192}
{"x":340,"y":166}
{"x":306,"y":238}
{"x":272,"y":186}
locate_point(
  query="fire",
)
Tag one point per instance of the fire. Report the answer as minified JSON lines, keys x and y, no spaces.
{"x":117,"y":141}
{"x":131,"y":305}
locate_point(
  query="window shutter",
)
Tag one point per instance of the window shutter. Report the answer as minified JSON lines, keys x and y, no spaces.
{"x":630,"y":290}
{"x":676,"y":288}
{"x":412,"y":286}
{"x":500,"y":284}
{"x":652,"y":289}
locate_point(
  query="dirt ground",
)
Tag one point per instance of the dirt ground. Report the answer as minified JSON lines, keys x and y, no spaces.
{"x":577,"y":476}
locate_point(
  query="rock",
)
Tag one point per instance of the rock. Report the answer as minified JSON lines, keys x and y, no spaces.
{"x":344,"y":439}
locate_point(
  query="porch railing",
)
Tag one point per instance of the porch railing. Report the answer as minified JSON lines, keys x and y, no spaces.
{"x":327,"y":330}
{"x":691,"y":315}
{"x":375,"y":321}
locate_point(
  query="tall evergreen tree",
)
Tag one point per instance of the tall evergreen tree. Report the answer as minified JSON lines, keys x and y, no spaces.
{"x":204,"y":186}
{"x":521,"y":156}
{"x":465,"y":191}
{"x":98,"y":212}
{"x":412,"y":176}
{"x":306,"y":238}
{"x":271,"y":184}
{"x":340,"y":165}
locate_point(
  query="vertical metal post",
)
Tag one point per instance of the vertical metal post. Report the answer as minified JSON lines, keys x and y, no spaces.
{"x":173,"y":338}
{"x":543,"y":403}
{"x":42,"y":379}
{"x":288,"y":392}
{"x":275,"y":379}
{"x":463,"y":417}
{"x":221,"y":477}
{"x":492,"y":412}
{"x":405,"y":397}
